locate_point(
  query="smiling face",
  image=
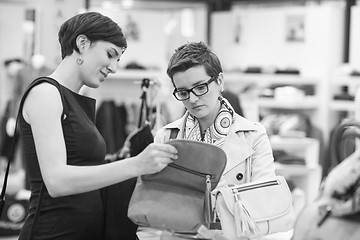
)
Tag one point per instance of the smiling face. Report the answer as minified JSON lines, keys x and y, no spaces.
{"x":205,"y":107}
{"x":99,"y":59}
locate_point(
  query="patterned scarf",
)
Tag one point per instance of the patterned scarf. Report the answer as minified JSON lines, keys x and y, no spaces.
{"x":217,"y":132}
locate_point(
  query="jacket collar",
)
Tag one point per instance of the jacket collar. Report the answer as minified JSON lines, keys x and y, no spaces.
{"x":240,"y":124}
{"x":232,"y":142}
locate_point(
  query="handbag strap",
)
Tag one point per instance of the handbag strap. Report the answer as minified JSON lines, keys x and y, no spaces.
{"x":3,"y":190}
{"x":173,"y":133}
{"x":34,"y":83}
{"x":144,"y":108}
{"x":248,"y":169}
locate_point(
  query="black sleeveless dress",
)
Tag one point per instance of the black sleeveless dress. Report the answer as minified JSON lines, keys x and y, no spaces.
{"x":72,"y":217}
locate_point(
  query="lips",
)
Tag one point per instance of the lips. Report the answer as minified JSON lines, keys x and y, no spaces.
{"x":197,"y":106}
{"x":104,"y":74}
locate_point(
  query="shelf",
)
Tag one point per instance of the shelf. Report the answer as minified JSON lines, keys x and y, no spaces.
{"x":294,"y":170}
{"x":346,"y":80}
{"x":305,"y":103}
{"x":306,"y":178}
{"x":342,"y":105}
{"x":308,"y":148}
{"x":267,"y":79}
{"x":352,"y":82}
{"x":131,"y":75}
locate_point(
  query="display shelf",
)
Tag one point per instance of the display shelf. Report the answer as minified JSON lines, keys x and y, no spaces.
{"x":124,"y":85}
{"x":307,"y":148}
{"x":238,"y":81}
{"x":338,"y":81}
{"x":346,"y":80}
{"x":342,"y":105}
{"x":307,"y":177}
{"x":268,"y":79}
{"x":294,"y":170}
{"x":252,"y":88}
{"x":135,"y":74}
{"x":303,"y":103}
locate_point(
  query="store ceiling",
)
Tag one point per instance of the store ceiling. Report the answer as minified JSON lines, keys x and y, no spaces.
{"x":214,"y":5}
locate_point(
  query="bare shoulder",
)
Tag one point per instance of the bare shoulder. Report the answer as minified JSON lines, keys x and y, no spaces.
{"x":42,"y":99}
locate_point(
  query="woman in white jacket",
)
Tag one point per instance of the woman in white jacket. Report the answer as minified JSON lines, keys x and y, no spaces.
{"x":198,"y":81}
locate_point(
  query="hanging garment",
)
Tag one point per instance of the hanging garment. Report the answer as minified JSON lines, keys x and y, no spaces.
{"x":116,"y":198}
{"x":7,"y":135}
{"x":111,"y":121}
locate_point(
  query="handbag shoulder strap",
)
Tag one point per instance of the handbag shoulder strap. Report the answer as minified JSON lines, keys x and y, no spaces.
{"x":144,"y":108}
{"x":248,"y":168}
{"x":34,"y":83}
{"x":174,"y":132}
{"x":3,"y":190}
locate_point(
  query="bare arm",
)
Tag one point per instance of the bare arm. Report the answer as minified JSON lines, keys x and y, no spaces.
{"x":42,"y":110}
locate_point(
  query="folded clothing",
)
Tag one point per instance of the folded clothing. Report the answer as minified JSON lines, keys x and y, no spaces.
{"x":280,"y":156}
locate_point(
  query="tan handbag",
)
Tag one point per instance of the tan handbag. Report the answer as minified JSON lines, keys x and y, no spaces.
{"x":178,"y":197}
{"x":255,"y":209}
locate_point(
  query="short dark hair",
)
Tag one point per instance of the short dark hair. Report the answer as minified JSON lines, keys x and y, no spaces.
{"x":194,"y":54}
{"x":94,"y":26}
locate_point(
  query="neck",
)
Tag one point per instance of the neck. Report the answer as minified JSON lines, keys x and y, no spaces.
{"x":207,"y":121}
{"x":67,"y":74}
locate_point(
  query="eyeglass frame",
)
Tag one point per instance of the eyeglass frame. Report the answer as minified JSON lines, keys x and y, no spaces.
{"x":206,"y":84}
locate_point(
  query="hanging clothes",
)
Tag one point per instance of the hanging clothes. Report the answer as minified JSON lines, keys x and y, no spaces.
{"x":116,"y":198}
{"x":111,"y":120}
{"x":7,"y":136}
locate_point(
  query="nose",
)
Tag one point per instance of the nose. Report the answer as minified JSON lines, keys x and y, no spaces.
{"x":193,"y":97}
{"x":112,"y":67}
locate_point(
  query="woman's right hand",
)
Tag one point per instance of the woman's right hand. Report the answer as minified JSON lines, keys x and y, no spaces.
{"x":155,"y":157}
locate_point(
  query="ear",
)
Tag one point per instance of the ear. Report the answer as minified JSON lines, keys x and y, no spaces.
{"x":220,"y":80}
{"x":81,"y":42}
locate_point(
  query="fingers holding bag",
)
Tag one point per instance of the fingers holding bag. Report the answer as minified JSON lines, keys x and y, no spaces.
{"x":156,"y":157}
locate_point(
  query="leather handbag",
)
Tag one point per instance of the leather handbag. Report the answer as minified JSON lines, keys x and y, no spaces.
{"x":255,"y":209}
{"x":178,"y":198}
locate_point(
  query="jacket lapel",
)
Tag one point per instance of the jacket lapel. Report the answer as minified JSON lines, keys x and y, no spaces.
{"x":237,"y":145}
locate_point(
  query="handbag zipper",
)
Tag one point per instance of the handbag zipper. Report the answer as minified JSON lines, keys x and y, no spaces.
{"x":208,"y":206}
{"x":254,"y":186}
{"x":191,"y":171}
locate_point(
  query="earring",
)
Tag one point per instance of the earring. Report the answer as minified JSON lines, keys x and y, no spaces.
{"x":79,"y":61}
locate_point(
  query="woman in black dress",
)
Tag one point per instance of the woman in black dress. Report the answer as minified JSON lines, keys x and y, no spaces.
{"x":63,"y":149}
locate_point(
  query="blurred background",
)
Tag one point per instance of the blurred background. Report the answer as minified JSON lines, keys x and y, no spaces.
{"x":292,"y":65}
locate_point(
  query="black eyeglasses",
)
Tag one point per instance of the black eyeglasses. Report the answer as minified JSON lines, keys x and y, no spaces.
{"x":198,"y":90}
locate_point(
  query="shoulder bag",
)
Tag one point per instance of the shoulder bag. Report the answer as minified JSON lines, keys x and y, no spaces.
{"x":178,"y":198}
{"x":255,"y":209}
{"x":16,"y":208}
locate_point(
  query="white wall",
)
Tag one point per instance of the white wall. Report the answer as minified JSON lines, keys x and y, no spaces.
{"x":159,"y":33}
{"x":354,"y":55}
{"x":263,"y":37}
{"x":263,"y":43}
{"x":11,"y":43}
